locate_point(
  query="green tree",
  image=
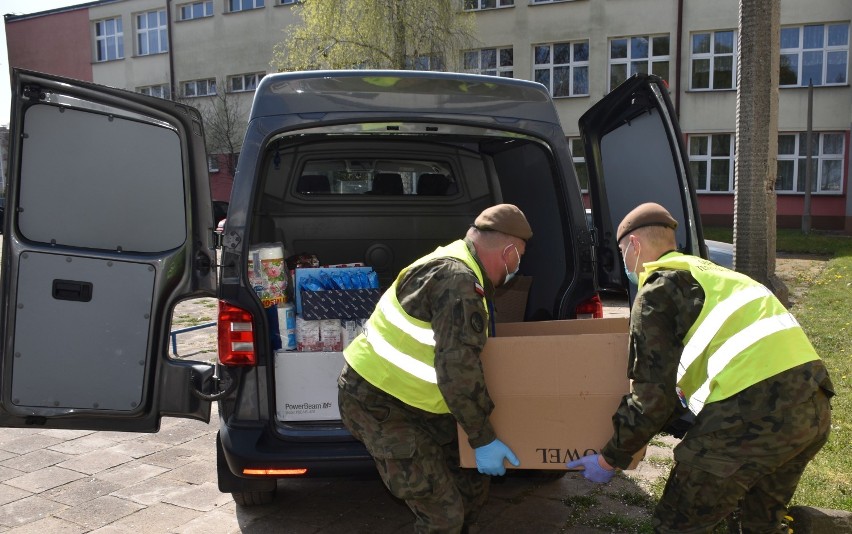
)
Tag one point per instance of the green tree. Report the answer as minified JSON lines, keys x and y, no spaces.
{"x":382,"y":34}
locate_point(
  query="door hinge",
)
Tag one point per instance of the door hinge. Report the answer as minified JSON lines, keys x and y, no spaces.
{"x":34,"y":92}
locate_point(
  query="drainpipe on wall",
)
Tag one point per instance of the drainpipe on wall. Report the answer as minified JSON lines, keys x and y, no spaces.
{"x":679,"y":45}
{"x":172,"y":87}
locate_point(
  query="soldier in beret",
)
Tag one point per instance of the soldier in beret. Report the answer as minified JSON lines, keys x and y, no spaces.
{"x":713,"y":342}
{"x":415,"y":373}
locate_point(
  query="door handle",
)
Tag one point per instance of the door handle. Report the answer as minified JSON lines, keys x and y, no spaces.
{"x":72,"y":290}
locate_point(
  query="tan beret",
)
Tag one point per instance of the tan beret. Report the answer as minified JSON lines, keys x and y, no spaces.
{"x":648,"y":214}
{"x":504,"y":218}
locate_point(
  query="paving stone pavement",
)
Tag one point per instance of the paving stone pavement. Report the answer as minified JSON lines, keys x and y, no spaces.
{"x":63,"y":481}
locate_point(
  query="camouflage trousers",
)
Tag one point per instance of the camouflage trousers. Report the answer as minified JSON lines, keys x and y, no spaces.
{"x":756,"y":465}
{"x":417,"y":456}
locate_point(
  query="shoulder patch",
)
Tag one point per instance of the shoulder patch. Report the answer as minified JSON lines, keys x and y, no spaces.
{"x":477,"y":322}
{"x":479,"y":290}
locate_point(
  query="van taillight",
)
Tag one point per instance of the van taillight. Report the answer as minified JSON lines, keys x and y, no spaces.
{"x":590,"y":309}
{"x":236,"y":336}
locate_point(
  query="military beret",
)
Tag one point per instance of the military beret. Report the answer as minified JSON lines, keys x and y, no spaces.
{"x":648,"y":214}
{"x":504,"y":218}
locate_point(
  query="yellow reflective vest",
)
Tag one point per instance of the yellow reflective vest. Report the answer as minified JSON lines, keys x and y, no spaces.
{"x":743,"y":334}
{"x":396,"y":352}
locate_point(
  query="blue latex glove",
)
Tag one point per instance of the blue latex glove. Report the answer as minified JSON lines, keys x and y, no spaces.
{"x":489,"y":458}
{"x":592,"y":469}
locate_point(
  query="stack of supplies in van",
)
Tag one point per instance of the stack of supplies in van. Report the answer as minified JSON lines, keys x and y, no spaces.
{"x":332,"y":303}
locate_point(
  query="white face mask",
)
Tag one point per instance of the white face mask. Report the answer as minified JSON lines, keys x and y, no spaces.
{"x":511,"y":275}
{"x":632,"y":276}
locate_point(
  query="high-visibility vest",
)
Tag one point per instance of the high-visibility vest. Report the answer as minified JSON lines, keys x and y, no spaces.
{"x":743,"y":334}
{"x":396,"y":352}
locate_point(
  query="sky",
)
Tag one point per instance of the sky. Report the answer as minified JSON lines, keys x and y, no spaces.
{"x":19,"y":7}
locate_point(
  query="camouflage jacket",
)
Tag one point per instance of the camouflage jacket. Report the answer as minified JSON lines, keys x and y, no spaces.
{"x":444,"y":293}
{"x":665,"y":308}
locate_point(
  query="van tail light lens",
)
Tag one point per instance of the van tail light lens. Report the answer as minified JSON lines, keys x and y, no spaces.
{"x":275,"y":472}
{"x":236,"y":336}
{"x":590,"y":309}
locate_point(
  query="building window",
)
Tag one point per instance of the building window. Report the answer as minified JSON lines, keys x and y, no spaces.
{"x":563,"y":68}
{"x":578,"y":156}
{"x":199,"y":88}
{"x":109,"y":39}
{"x":287,"y":2}
{"x":816,"y":52}
{"x":711,"y":162}
{"x":432,"y":63}
{"x":196,"y":10}
{"x":713,"y":60}
{"x":213,"y":163}
{"x":160,"y":91}
{"x":244,"y":82}
{"x":490,"y":61}
{"x":244,"y":5}
{"x":476,"y":5}
{"x":644,"y":53}
{"x":826,"y":162}
{"x":151,"y":33}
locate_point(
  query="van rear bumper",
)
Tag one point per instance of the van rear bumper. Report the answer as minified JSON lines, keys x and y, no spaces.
{"x":257,"y":448}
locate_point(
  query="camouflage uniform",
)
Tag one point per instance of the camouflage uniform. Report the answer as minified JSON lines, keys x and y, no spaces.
{"x":415,"y":451}
{"x":752,"y":446}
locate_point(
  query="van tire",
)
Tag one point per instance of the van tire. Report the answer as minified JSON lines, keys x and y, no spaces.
{"x":253,"y":498}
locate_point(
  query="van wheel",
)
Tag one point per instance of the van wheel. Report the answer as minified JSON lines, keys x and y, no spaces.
{"x":253,"y":498}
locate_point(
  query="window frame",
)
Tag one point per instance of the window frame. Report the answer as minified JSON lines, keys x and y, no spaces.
{"x":799,"y":51}
{"x":190,"y":5}
{"x":243,"y":77}
{"x":163,"y":89}
{"x":256,"y":4}
{"x":102,"y":41}
{"x":708,"y":158}
{"x":819,"y":158}
{"x":143,"y":35}
{"x":498,"y":69}
{"x":498,"y":4}
{"x":579,"y":162}
{"x":713,"y":56}
{"x":572,"y":64}
{"x":210,"y":82}
{"x":629,"y":61}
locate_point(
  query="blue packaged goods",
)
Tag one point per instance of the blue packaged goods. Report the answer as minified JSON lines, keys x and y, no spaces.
{"x":339,"y":303}
{"x":322,"y":278}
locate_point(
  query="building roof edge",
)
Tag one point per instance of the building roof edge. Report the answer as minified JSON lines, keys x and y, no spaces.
{"x":11,"y":17}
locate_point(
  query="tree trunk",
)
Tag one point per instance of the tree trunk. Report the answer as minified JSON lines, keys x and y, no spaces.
{"x":757,"y":142}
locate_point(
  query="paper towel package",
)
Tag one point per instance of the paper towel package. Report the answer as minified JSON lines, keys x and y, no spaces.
{"x":268,"y":273}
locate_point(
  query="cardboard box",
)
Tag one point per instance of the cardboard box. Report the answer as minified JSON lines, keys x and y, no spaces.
{"x":555,"y":386}
{"x":510,"y":300}
{"x":344,"y":304}
{"x":306,"y":385}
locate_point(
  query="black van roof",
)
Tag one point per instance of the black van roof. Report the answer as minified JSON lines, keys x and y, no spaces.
{"x":404,"y":92}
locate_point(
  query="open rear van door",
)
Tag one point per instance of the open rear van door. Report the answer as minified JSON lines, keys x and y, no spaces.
{"x":635,"y":153}
{"x":108,"y":225}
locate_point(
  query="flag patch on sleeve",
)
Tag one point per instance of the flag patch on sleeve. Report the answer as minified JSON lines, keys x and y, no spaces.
{"x":479,"y":290}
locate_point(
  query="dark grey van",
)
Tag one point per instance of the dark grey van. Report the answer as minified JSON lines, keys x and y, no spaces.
{"x":378,"y":167}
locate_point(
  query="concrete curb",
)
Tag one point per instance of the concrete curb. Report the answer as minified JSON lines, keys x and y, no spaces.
{"x":807,"y":520}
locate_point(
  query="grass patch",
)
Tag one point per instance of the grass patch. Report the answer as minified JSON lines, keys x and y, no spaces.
{"x":660,"y":461}
{"x":792,"y":241}
{"x":824,"y":313}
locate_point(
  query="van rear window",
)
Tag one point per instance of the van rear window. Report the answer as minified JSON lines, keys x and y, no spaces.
{"x":388,"y":177}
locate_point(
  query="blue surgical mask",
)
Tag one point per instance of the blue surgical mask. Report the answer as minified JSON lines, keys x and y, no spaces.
{"x":511,"y":275}
{"x":633,"y":277}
